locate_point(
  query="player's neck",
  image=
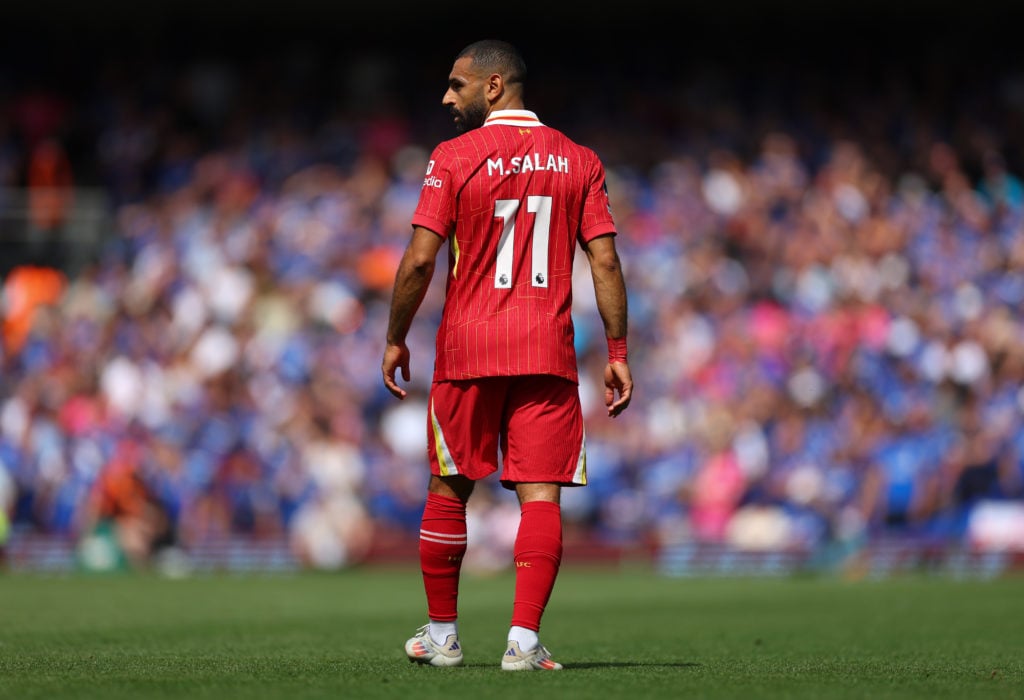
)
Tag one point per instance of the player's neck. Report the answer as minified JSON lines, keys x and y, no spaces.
{"x":502,"y":105}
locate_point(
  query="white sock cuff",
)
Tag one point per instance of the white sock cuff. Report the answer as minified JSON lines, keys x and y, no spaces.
{"x":526,"y":638}
{"x":439,"y":631}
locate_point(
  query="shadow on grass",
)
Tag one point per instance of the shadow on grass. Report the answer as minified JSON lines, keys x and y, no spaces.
{"x":633,"y":664}
{"x":585,"y":665}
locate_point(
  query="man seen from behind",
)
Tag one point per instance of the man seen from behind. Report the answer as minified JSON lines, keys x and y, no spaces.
{"x":513,"y":198}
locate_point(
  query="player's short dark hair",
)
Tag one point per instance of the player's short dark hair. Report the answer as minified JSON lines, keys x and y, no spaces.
{"x":496,"y":56}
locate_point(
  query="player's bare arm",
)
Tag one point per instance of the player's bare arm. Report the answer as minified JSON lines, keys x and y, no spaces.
{"x":610,"y":291}
{"x":411,"y":282}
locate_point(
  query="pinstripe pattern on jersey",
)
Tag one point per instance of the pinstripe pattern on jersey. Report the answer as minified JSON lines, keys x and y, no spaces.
{"x":523,"y":329}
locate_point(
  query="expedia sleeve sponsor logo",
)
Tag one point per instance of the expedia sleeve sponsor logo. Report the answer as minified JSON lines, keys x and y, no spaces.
{"x":432,"y":180}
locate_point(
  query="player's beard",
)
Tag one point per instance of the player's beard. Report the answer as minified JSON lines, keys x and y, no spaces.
{"x":472,"y":117}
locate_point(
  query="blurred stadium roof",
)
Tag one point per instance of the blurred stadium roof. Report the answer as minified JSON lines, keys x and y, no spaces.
{"x":625,"y":21}
{"x":580,"y":32}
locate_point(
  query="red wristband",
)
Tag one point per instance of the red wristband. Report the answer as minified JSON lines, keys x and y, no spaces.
{"x":617,"y":349}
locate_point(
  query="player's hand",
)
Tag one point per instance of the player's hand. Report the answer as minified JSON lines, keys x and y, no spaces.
{"x":395,"y":357}
{"x":617,"y":380}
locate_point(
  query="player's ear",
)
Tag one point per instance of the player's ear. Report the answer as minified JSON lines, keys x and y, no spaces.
{"x":495,"y":86}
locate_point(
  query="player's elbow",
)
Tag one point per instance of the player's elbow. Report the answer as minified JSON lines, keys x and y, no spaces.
{"x":419,"y":264}
{"x":424,"y":268}
{"x":606,"y":263}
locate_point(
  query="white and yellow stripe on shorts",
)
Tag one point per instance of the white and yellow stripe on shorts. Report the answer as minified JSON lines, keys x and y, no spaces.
{"x":579,"y":476}
{"x":444,"y":456}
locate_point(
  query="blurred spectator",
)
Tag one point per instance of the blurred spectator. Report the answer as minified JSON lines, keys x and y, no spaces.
{"x":39,"y":113}
{"x":27,"y":290}
{"x":123,"y":522}
{"x":332,"y":529}
{"x":50,"y":184}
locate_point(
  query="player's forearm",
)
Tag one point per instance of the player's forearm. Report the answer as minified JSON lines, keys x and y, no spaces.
{"x":411,"y":283}
{"x":610,"y":292}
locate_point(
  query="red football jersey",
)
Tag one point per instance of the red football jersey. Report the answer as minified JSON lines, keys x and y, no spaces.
{"x":512,"y":197}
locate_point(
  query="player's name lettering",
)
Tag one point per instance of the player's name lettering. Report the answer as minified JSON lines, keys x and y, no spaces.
{"x":527,"y":164}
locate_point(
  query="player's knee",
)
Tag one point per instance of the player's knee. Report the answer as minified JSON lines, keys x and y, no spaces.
{"x":455,"y":486}
{"x":538,"y":492}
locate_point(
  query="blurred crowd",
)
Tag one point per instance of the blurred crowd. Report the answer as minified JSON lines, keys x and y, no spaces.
{"x":825,"y":323}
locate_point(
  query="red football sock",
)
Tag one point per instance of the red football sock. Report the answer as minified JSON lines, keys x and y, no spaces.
{"x":537,"y":553}
{"x":442,"y":546}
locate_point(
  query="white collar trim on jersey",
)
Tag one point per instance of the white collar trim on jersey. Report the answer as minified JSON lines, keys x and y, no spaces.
{"x":513,"y":117}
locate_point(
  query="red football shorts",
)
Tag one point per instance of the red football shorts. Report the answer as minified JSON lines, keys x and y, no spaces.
{"x":535,"y":420}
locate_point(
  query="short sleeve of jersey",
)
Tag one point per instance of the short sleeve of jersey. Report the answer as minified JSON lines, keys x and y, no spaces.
{"x":597,"y":209}
{"x":436,"y":207}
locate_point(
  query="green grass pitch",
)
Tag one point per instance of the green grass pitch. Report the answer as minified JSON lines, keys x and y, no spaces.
{"x":629,"y":634}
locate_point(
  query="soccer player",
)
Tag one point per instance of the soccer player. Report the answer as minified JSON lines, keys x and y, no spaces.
{"x":513,"y":197}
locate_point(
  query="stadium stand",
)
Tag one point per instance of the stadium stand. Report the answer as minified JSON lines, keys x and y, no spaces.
{"x":825,"y":253}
